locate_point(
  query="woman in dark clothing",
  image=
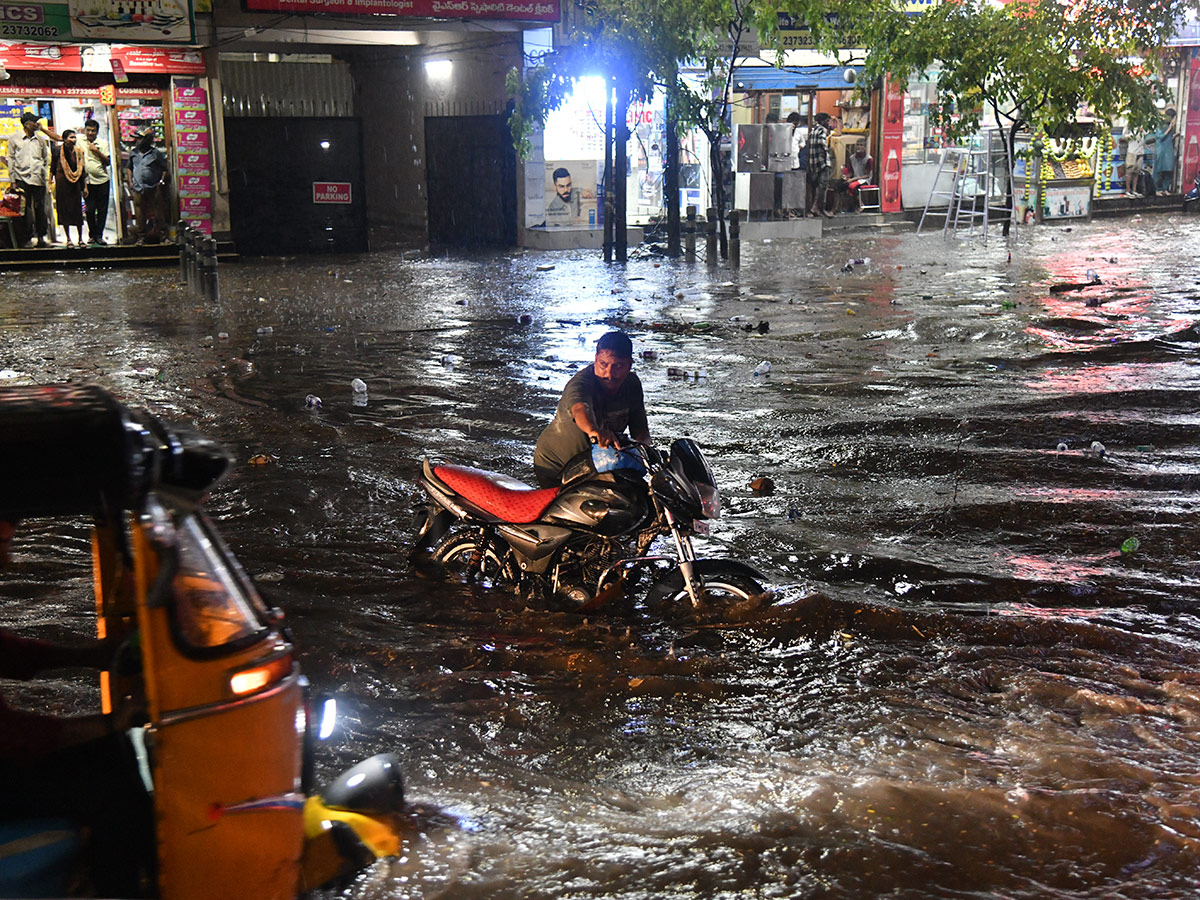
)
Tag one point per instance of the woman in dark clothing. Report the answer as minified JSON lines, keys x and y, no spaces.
{"x":69,"y":185}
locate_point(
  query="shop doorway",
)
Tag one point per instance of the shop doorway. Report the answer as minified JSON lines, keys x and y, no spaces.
{"x":471,"y":167}
{"x":296,"y":185}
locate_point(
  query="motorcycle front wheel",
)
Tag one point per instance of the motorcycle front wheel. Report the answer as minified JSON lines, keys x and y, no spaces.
{"x":724,"y":585}
{"x":471,"y":557}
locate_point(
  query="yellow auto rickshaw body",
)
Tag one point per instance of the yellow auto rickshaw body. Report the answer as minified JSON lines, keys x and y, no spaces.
{"x":227,"y":738}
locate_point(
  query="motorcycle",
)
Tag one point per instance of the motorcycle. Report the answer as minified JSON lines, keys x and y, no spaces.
{"x":576,"y":543}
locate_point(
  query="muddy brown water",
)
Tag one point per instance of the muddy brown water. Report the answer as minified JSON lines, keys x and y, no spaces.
{"x":963,"y":688}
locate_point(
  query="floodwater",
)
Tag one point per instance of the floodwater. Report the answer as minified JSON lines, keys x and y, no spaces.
{"x":964,"y":687}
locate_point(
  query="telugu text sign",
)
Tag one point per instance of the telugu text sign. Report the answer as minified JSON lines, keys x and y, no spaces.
{"x":517,"y":10}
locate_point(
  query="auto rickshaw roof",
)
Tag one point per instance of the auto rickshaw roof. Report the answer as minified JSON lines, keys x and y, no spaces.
{"x":74,"y":449}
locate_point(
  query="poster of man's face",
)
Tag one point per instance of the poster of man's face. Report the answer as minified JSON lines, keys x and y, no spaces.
{"x":571,"y":192}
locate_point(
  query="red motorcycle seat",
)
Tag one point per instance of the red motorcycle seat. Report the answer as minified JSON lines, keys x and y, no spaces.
{"x":503,"y":497}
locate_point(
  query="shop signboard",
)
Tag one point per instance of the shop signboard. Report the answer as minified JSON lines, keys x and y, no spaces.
{"x":34,"y":21}
{"x":891,"y":146}
{"x":99,"y":58}
{"x":331,"y":192}
{"x":1072,"y":202}
{"x":190,"y":98}
{"x":106,"y":94}
{"x":517,"y":10}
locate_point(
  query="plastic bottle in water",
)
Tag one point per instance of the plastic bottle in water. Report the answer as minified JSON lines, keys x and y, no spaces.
{"x":1062,"y":447}
{"x":1097,"y":450}
{"x":312,"y":401}
{"x":358,"y":386}
{"x":763,"y":368}
{"x":266,"y":329}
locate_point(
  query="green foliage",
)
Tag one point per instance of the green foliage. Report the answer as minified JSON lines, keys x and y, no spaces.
{"x":1031,"y":62}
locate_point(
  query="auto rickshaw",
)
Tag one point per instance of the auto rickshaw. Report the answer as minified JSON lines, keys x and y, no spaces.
{"x":229,"y":739}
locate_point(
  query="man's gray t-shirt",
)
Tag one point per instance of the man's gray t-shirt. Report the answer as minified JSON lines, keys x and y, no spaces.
{"x":563,"y":440}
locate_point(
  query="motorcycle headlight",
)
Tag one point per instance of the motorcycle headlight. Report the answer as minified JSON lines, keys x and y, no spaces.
{"x":710,"y":500}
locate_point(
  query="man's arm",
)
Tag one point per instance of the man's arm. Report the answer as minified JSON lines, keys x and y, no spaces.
{"x":601,"y":434}
{"x":639,"y":427}
{"x":95,"y":150}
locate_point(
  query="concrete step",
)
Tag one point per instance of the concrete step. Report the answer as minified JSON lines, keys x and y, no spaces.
{"x":58,"y":256}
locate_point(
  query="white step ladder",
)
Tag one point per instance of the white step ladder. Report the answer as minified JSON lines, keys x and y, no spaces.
{"x":976,"y":191}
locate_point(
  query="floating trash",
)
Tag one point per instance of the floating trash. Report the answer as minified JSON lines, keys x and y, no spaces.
{"x":763,"y":368}
{"x":312,"y":401}
{"x":358,"y":386}
{"x":1130,"y":545}
{"x":264,"y":329}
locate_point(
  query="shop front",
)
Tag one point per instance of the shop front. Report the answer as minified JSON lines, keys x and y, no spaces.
{"x":126,"y":91}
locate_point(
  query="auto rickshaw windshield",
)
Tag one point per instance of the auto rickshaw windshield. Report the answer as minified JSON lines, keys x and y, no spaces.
{"x":214,"y":602}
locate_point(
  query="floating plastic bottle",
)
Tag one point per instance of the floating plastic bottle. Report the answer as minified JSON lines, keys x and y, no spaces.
{"x":1062,"y":447}
{"x":222,"y":335}
{"x":1097,"y":450}
{"x":312,"y":401}
{"x":265,"y":329}
{"x":358,"y":386}
{"x":763,"y":368}
{"x":1130,"y":545}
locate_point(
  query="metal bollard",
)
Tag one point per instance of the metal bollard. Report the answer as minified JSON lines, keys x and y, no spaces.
{"x":735,"y":240}
{"x":181,"y":240}
{"x":689,"y":246}
{"x":211,"y":288}
{"x":710,"y":237}
{"x":193,"y":279}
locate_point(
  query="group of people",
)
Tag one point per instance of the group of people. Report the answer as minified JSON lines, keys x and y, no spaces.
{"x":811,"y":151}
{"x":1161,"y":144}
{"x":79,"y":169}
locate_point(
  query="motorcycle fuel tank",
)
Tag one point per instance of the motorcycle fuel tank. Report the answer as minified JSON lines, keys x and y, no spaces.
{"x":612,"y":504}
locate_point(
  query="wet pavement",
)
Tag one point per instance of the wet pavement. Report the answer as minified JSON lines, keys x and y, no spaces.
{"x":978,"y":677}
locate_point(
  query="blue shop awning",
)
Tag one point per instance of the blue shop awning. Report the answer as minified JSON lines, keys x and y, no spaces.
{"x":769,"y":78}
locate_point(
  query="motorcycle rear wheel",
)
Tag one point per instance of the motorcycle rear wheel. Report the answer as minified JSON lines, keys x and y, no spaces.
{"x":724,"y":585}
{"x":471,"y":557}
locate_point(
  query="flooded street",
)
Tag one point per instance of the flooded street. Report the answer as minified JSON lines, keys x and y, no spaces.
{"x":979,"y":677}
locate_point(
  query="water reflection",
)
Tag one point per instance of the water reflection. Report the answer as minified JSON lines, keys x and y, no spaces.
{"x":964,"y":689}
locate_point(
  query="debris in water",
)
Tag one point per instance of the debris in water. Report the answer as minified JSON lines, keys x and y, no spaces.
{"x":260,"y":459}
{"x":763,"y":486}
{"x":763,"y":368}
{"x":358,"y":386}
{"x":546,"y":267}
{"x":312,"y":401}
{"x":1130,"y":545}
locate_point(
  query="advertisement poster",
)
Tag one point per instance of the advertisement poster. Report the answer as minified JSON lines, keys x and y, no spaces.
{"x":1067,"y":202}
{"x":134,"y":21}
{"x":192,"y":156}
{"x":1191,"y":134}
{"x":571,"y":192}
{"x":891,"y":147}
{"x":99,"y":58}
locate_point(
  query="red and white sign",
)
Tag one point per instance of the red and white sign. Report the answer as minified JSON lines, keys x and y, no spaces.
{"x":190,"y":98}
{"x":69,"y":58}
{"x":891,"y":146}
{"x":518,"y":10}
{"x":331,"y":192}
{"x":1191,"y":133}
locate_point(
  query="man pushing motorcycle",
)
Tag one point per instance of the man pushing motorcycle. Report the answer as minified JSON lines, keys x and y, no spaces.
{"x":598,"y":404}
